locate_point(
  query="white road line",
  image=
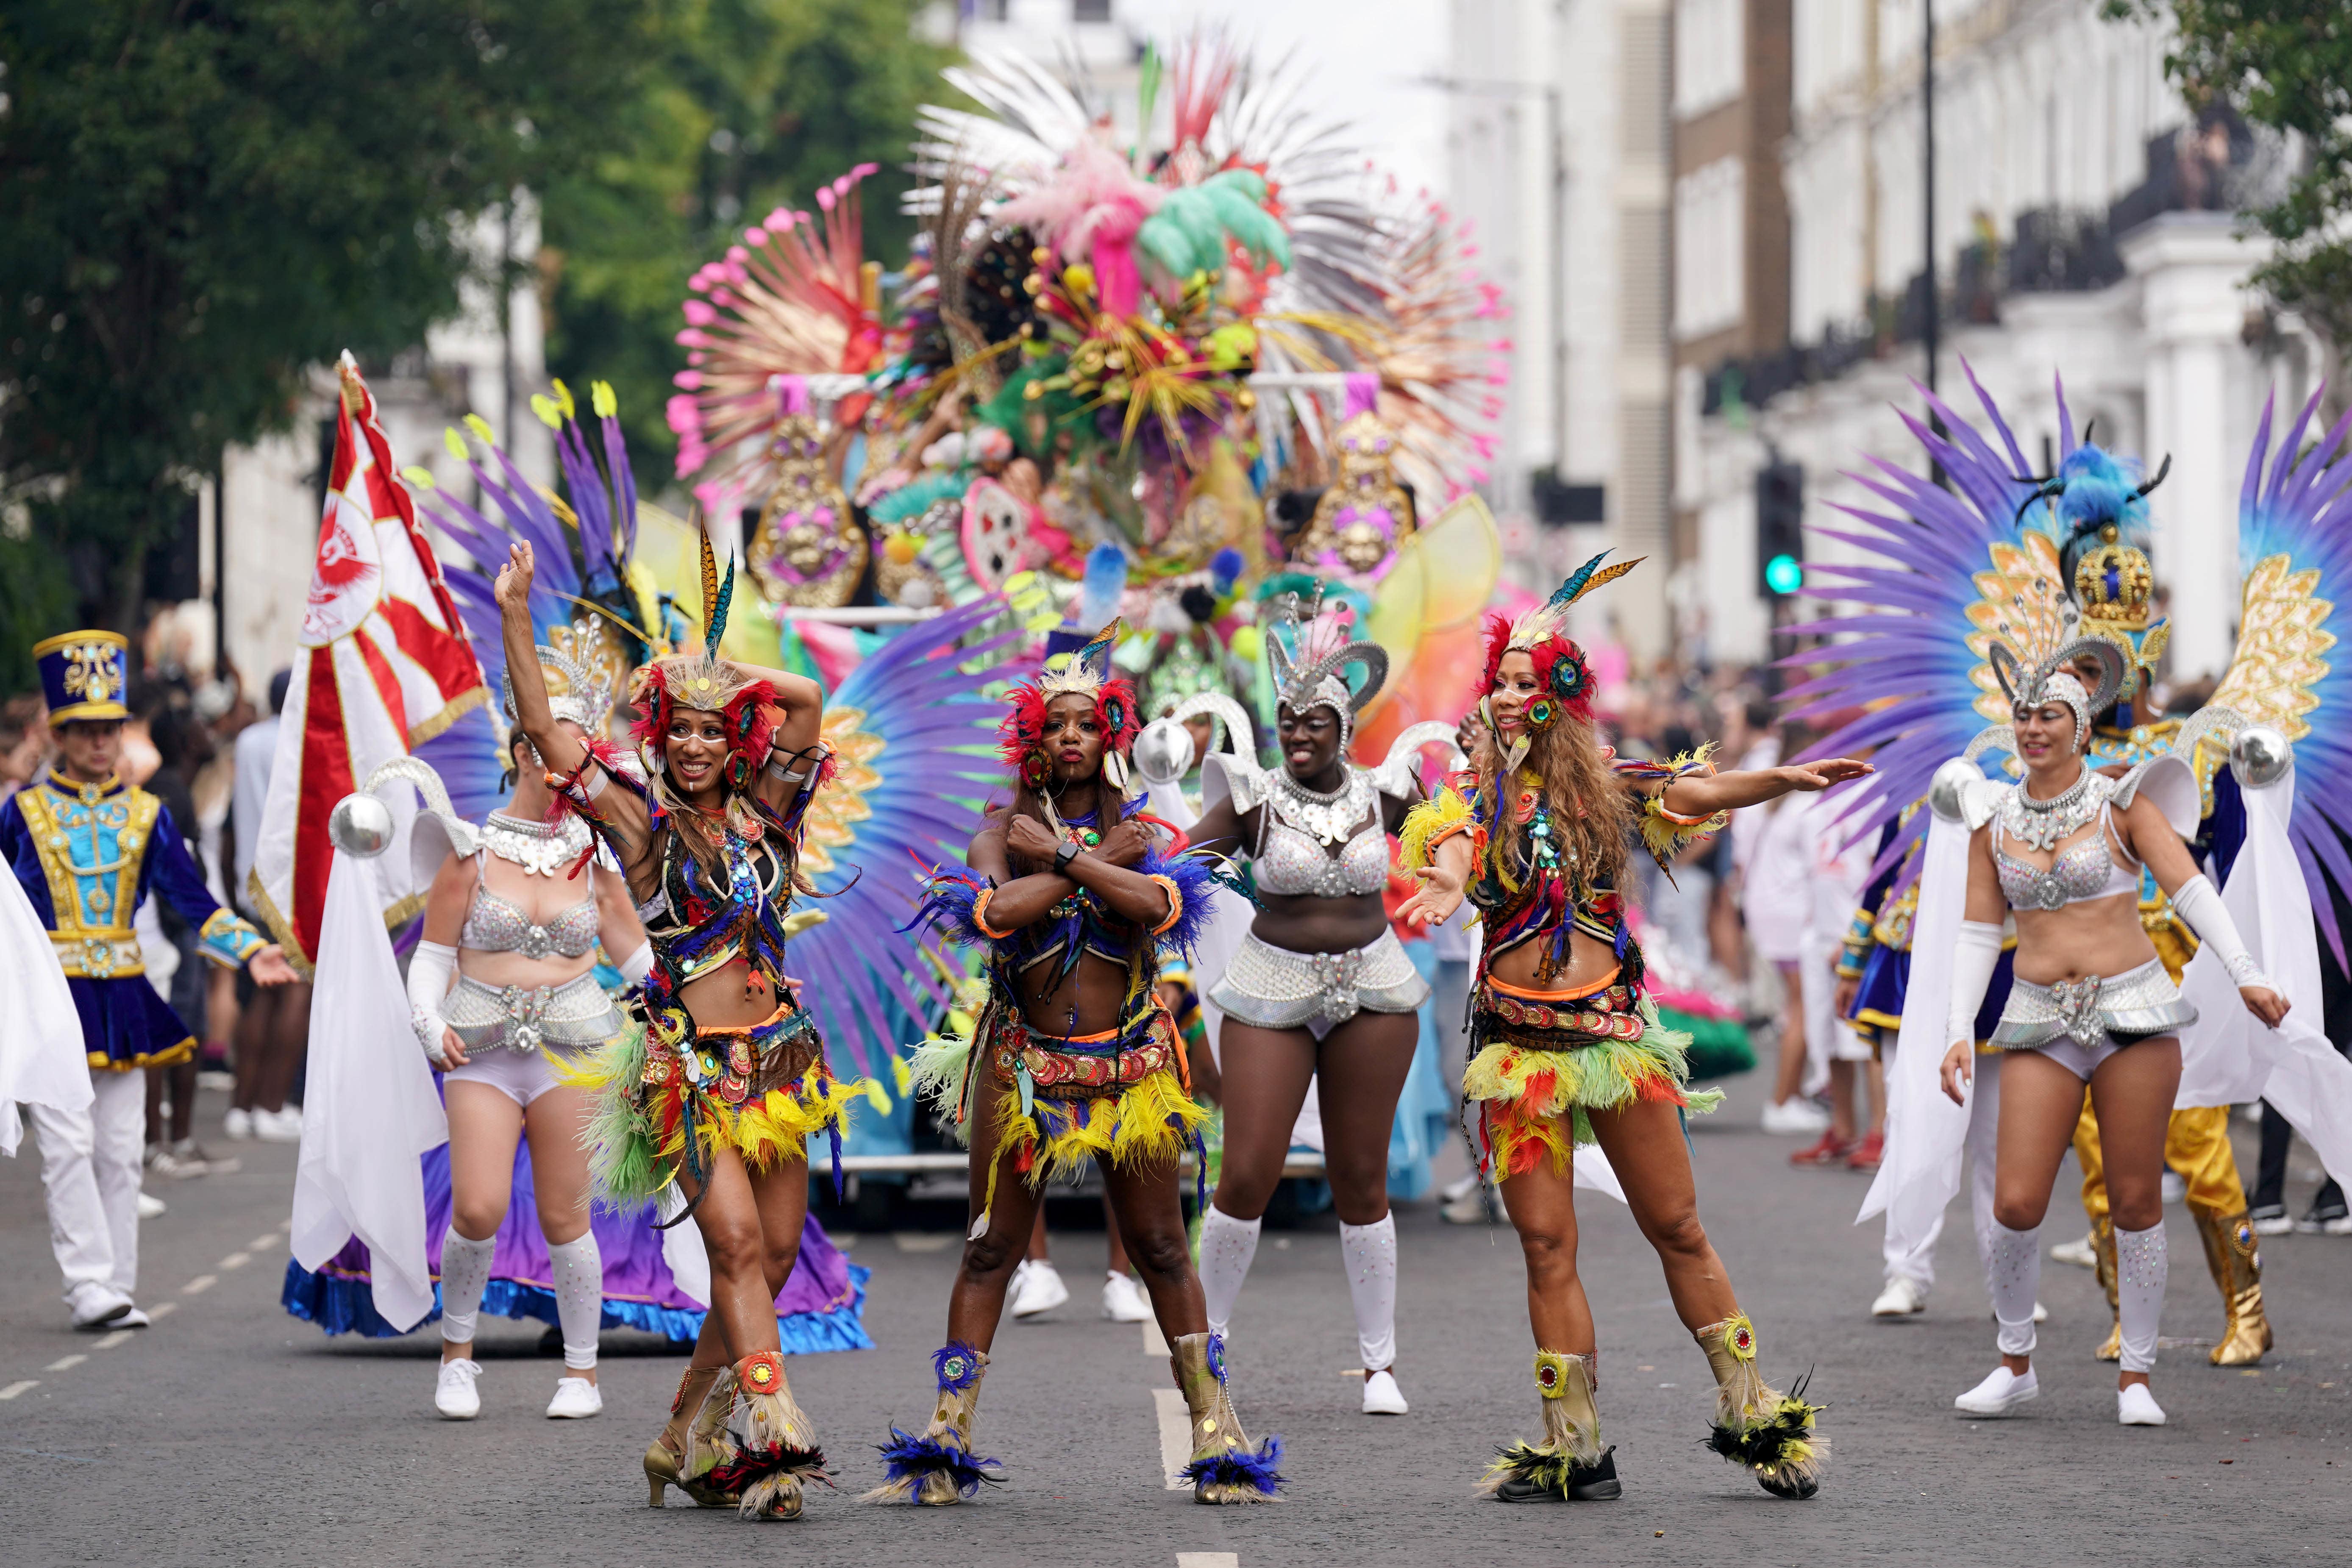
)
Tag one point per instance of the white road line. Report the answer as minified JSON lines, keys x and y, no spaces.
{"x":262,"y":1243}
{"x":65,"y":1363}
{"x":116,"y":1337}
{"x":162,"y":1309}
{"x":1207,"y":1560}
{"x":924,"y":1240}
{"x":234,"y":1261}
{"x":1175,"y":1436}
{"x":15,"y":1389}
{"x":1154,"y":1344}
{"x":200,"y":1284}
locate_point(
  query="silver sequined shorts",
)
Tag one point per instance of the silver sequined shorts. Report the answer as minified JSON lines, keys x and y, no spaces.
{"x":1275,"y":988}
{"x":2079,"y":1024}
{"x":525,"y":1017}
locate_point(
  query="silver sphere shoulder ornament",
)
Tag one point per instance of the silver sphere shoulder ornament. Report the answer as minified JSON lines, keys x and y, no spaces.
{"x":360,"y":825}
{"x":1163,"y":752}
{"x":1948,"y":790}
{"x":2260,"y":756}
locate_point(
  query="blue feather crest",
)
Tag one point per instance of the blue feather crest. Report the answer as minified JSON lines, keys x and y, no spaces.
{"x":1196,"y":879}
{"x":907,"y":1460}
{"x":1569,"y":592}
{"x":957,"y":1365}
{"x":718,"y":626}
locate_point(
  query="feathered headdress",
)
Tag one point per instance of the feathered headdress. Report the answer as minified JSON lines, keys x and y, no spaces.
{"x":573,"y":691}
{"x":1311,"y":670}
{"x":1542,"y":635}
{"x":2098,"y":518}
{"x":1085,"y":673}
{"x":709,"y":683}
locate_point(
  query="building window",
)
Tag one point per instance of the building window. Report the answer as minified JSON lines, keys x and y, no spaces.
{"x":1089,"y":10}
{"x":1710,"y":46}
{"x":1710,"y":248}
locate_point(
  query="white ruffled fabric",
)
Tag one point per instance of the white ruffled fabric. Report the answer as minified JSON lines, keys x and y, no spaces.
{"x":43,"y":1060}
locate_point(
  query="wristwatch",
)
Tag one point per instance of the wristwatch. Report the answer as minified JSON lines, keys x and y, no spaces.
{"x":1070,"y":850}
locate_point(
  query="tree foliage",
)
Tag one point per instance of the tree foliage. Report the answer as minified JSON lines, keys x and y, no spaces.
{"x":199,"y":199}
{"x":746,"y":105}
{"x":2287,"y":64}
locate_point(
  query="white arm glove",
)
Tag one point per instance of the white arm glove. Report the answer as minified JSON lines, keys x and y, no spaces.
{"x":428,"y":983}
{"x":638,"y":964}
{"x":1973,"y":959}
{"x":2196,"y":902}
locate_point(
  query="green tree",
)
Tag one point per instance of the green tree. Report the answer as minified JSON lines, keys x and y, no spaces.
{"x":199,"y":199}
{"x":747,"y":105}
{"x":2286,"y":65}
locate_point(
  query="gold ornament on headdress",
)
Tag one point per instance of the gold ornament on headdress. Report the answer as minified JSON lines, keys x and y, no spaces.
{"x":1345,"y":522}
{"x":2115,"y":587}
{"x":808,"y":550}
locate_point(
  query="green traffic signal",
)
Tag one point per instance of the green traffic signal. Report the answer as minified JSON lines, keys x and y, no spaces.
{"x":1784,"y":574}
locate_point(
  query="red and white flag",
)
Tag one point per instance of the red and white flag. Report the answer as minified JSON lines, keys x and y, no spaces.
{"x":383,"y":666}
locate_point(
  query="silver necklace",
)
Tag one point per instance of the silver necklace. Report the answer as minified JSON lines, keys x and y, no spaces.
{"x":541,"y":849}
{"x":2043,"y":823}
{"x":1330,"y":816}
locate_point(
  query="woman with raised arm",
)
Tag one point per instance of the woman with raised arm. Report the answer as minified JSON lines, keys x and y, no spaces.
{"x":720,"y":1078}
{"x":1320,"y":989}
{"x":1567,"y":1049}
{"x":2063,"y":851}
{"x":1075,"y":1060}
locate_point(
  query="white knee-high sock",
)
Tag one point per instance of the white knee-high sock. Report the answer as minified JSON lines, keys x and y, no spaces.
{"x":1371,"y":1254}
{"x":2140,"y":1266}
{"x":2012,"y":1274}
{"x":465,"y":1269}
{"x":579,"y":1269}
{"x":1227,"y":1246}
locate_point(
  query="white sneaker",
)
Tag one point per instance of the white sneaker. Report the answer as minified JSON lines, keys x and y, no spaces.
{"x":133,"y":1319}
{"x":1037,"y":1287}
{"x":151,"y":1208}
{"x":2341,"y":1226}
{"x":575,"y":1398}
{"x":2136,"y":1407}
{"x":282,"y":1126}
{"x":2174,"y":1189}
{"x":1124,"y":1301}
{"x":97,"y":1307}
{"x":1999,"y":1394}
{"x":1381,"y":1395}
{"x":1798,"y":1117}
{"x":1459,"y":1188}
{"x":1902,"y":1297}
{"x":2078,"y":1252}
{"x":237,"y":1125}
{"x":2279,"y":1224}
{"x":2041,"y":1313}
{"x":454,"y":1396}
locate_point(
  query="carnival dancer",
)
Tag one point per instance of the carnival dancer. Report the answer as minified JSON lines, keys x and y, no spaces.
{"x":519,"y":924}
{"x":1569,"y":1051}
{"x":1073,"y":1060}
{"x":88,"y":849}
{"x":2064,"y":851}
{"x":720,"y":1080}
{"x":1319,"y":991}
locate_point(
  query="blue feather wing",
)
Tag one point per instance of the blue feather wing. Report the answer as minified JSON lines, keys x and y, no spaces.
{"x":923,"y":697}
{"x":1907,"y":663}
{"x":2294,"y":545}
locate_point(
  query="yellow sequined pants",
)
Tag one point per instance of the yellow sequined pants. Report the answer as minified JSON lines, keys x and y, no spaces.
{"x":2196,"y":1144}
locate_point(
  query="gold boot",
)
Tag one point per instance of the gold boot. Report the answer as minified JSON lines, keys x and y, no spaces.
{"x":1569,"y":1464}
{"x":1224,"y":1468}
{"x":768,"y":1446}
{"x":695,"y":1417}
{"x":2237,"y":1264}
{"x":2103,"y":1248}
{"x":937,"y":1466}
{"x":1770,"y":1435}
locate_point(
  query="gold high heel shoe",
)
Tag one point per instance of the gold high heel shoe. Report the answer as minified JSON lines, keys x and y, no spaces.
{"x":694,"y":1418}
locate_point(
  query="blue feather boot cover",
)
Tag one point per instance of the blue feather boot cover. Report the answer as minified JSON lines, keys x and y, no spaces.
{"x":1769,"y":1435}
{"x":1225,"y":1468}
{"x":938,"y":1468}
{"x":1569,"y":1464}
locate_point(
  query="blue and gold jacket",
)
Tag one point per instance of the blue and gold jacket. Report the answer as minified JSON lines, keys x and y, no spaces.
{"x":87,"y":856}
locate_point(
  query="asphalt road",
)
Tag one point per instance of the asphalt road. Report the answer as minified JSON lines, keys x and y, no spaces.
{"x":230,"y":1433}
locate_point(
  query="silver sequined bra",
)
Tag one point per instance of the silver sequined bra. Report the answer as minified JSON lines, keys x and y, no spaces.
{"x":1291,"y":859}
{"x":494,"y":924}
{"x":2132,"y":1005}
{"x":1275,"y":988}
{"x":526,"y":1018}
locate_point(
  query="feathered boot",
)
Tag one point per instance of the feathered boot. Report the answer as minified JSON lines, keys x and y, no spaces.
{"x":1224,"y":1468}
{"x":938,"y":1468}
{"x":2236,"y":1262}
{"x":1772,"y":1434}
{"x":1569,"y":1464}
{"x":764,"y":1446}
{"x":686,"y":1447}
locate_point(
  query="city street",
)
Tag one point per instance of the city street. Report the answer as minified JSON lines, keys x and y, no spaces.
{"x":230,"y":1433}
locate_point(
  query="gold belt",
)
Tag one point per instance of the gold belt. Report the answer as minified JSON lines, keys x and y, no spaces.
{"x":99,"y":954}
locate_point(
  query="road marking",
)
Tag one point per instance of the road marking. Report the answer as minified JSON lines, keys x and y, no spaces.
{"x":1175,"y":1436}
{"x":15,"y":1389}
{"x":162,"y":1309}
{"x":65,"y":1363}
{"x":114,"y":1338}
{"x":1207,"y":1560}
{"x":262,"y":1243}
{"x":200,"y":1284}
{"x":234,"y":1261}
{"x":923,"y":1241}
{"x":1155,"y":1344}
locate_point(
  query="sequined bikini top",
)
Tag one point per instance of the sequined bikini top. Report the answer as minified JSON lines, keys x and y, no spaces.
{"x":1294,"y":862}
{"x":2079,"y":873}
{"x":494,"y":924}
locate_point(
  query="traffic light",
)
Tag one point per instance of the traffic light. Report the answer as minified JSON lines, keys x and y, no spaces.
{"x":1779,"y":529}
